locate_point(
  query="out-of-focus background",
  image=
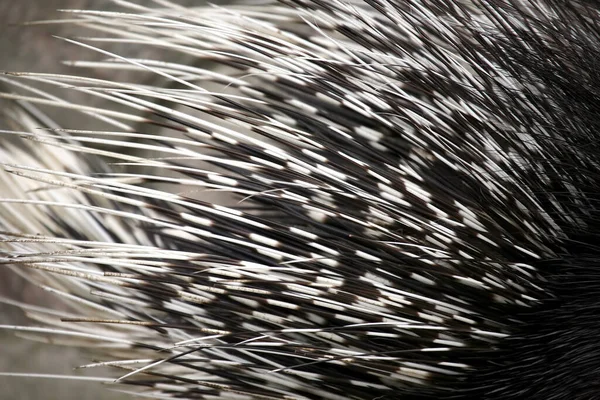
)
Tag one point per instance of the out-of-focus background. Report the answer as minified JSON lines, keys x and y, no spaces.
{"x":33,"y":48}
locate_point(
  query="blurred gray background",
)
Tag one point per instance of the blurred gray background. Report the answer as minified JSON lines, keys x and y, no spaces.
{"x":32,"y":48}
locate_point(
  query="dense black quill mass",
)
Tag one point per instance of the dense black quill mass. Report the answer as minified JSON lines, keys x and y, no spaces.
{"x":413,"y":201}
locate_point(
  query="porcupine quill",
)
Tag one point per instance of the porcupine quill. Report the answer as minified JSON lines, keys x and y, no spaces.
{"x":412,"y":200}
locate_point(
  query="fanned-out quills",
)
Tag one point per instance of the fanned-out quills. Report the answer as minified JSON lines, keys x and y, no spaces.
{"x":315,"y":199}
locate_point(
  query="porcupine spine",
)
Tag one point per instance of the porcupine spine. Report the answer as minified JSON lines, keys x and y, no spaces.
{"x":417,"y":201}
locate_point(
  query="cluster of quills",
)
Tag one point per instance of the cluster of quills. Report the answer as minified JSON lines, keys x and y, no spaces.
{"x":339,"y":200}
